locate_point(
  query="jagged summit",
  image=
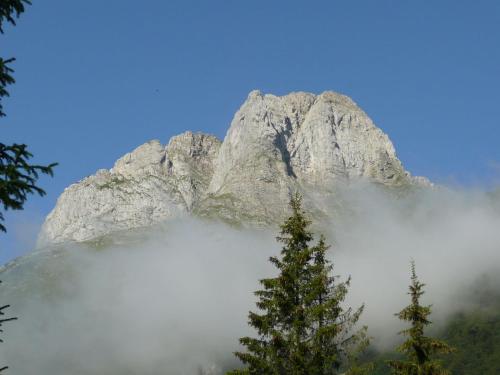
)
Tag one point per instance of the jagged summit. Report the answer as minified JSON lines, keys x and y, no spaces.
{"x":274,"y":146}
{"x":148,"y":185}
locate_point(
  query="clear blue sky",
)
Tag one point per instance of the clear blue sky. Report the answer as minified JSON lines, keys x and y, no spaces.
{"x":97,"y":78}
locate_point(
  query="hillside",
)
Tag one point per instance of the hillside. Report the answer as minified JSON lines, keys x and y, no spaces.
{"x":474,"y":333}
{"x":149,"y":267}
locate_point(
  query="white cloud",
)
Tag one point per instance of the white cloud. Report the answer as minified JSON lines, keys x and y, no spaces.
{"x":175,"y":299}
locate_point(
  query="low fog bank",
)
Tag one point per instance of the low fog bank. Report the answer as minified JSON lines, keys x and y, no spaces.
{"x":452,"y":235}
{"x":176,"y":299}
{"x":173,"y":301}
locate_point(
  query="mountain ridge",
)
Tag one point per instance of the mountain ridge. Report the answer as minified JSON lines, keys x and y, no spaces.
{"x":276,"y":145}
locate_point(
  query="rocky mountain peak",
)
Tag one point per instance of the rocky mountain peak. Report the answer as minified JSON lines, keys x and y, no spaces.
{"x":148,"y":185}
{"x":275,"y":145}
{"x":143,"y":159}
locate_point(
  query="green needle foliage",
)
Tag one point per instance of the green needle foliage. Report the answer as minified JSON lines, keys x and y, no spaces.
{"x":11,"y":9}
{"x":301,"y":324}
{"x":5,"y":80}
{"x":419,"y":349}
{"x":18,"y":177}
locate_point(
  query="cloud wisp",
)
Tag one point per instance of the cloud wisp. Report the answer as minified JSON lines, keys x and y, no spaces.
{"x":175,"y":299}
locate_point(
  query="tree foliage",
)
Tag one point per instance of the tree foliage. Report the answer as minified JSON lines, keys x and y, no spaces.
{"x":420,"y":350}
{"x":5,"y":80}
{"x":10,"y":10}
{"x":2,"y":321}
{"x":301,"y":324}
{"x":18,"y":177}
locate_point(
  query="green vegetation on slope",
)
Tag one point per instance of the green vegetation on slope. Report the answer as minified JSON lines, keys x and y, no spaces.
{"x":476,"y":337}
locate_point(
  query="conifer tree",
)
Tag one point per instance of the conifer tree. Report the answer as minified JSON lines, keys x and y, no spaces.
{"x":301,"y":324}
{"x":2,"y":321}
{"x":420,"y":350}
{"x":18,"y":177}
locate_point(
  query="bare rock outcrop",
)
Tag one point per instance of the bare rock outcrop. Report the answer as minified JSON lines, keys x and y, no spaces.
{"x":148,"y":185}
{"x":274,"y":146}
{"x":300,"y":141}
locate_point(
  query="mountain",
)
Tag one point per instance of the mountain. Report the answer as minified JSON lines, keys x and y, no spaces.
{"x":149,"y":267}
{"x":274,"y":146}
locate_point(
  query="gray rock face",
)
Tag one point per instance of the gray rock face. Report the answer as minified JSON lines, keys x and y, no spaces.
{"x":274,"y":146}
{"x":277,"y":145}
{"x":146,"y":186}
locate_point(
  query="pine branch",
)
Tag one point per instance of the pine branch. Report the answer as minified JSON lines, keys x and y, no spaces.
{"x":10,"y":10}
{"x":18,"y":177}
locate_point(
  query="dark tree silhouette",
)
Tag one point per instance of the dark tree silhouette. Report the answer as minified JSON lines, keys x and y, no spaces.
{"x":302,"y":325}
{"x":2,"y":321}
{"x":419,"y":349}
{"x":18,"y":177}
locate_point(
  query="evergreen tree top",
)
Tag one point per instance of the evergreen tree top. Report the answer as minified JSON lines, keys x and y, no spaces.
{"x":302,"y":327}
{"x":18,"y":177}
{"x":420,"y":350}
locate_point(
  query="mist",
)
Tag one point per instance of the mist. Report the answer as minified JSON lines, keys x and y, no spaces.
{"x":175,"y":299}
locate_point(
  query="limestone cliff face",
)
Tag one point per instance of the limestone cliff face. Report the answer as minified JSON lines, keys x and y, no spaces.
{"x":274,"y":146}
{"x":148,"y":185}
